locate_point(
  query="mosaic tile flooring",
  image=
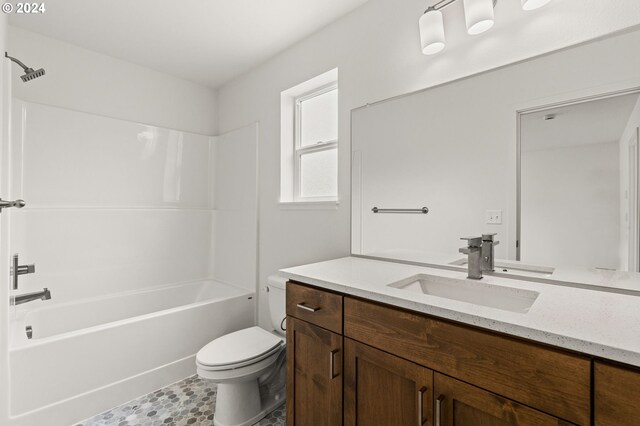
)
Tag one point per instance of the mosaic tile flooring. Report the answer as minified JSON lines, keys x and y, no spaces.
{"x":188,"y":402}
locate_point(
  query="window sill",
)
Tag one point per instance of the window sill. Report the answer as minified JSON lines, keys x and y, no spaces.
{"x":309,"y":205}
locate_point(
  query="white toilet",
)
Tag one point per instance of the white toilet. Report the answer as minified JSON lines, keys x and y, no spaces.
{"x":249,"y":366}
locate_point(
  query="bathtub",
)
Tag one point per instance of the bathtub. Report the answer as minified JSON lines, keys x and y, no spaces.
{"x":88,"y":356}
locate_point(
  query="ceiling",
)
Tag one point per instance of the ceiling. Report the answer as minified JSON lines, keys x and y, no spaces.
{"x":205,"y":41}
{"x":599,"y":121}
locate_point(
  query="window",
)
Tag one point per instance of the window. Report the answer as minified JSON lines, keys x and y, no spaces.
{"x":309,"y":145}
{"x":316,"y":144}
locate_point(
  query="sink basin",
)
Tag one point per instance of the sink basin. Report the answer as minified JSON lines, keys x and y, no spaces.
{"x":515,"y":268}
{"x":476,"y":292}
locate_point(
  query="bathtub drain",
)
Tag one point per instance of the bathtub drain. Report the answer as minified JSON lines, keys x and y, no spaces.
{"x":29,"y":330}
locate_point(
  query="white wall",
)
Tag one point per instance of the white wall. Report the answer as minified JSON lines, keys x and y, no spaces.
{"x":377,"y":51}
{"x":84,"y":80}
{"x":570,"y":206}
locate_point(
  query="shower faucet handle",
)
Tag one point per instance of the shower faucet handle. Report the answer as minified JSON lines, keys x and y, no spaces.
{"x":26,"y":269}
{"x":17,"y":270}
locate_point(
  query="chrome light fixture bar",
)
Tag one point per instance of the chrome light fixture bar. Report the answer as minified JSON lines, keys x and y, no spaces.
{"x":478,"y":16}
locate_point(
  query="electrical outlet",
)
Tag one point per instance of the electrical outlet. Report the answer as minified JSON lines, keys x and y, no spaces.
{"x":494,"y":217}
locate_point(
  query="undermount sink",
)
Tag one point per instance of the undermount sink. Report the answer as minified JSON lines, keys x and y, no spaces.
{"x":475,"y":292}
{"x":515,"y":268}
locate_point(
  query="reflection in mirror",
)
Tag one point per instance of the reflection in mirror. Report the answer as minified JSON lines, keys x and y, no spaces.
{"x":561,"y":192}
{"x":578,"y":184}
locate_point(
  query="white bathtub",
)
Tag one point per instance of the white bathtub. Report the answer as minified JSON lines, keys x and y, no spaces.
{"x":88,"y":356}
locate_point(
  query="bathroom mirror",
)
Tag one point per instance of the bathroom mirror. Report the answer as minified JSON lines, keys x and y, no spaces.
{"x":479,"y":154}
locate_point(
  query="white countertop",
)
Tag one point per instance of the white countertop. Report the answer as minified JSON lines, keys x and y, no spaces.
{"x":594,"y":322}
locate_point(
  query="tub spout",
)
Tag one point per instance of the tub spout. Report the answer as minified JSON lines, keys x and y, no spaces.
{"x":45,"y":294}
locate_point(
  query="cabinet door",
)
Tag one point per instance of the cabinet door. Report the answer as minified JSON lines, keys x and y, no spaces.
{"x":617,"y":396}
{"x":547,"y":379}
{"x":382,"y":389}
{"x":460,"y":404}
{"x":314,"y":375}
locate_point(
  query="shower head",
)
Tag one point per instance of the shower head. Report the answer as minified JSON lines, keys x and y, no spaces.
{"x":29,"y":73}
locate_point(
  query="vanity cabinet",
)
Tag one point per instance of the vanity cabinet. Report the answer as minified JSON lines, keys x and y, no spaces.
{"x":400,"y":367}
{"x":617,"y":395}
{"x":460,"y":404}
{"x":314,"y":375}
{"x":314,"y":356}
{"x":382,"y":389}
{"x":547,"y":379}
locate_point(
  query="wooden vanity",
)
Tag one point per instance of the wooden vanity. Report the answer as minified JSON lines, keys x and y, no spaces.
{"x":356,"y":362}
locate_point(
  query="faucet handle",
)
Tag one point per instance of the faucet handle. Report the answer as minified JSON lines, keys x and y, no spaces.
{"x":473,"y":241}
{"x":489,"y":238}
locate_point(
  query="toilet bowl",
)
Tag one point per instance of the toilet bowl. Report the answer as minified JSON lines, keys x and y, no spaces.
{"x":249,"y":366}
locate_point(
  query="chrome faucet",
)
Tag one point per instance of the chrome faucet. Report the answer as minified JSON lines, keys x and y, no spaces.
{"x":480,"y":252}
{"x":45,"y":294}
{"x":473,"y":251}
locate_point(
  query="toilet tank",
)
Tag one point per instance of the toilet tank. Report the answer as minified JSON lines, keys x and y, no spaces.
{"x":276,"y":299}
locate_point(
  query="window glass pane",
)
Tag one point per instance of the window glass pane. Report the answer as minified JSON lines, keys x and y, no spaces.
{"x":319,"y":174}
{"x":319,"y":119}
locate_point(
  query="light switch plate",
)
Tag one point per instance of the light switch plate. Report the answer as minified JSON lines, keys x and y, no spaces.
{"x":494,"y":217}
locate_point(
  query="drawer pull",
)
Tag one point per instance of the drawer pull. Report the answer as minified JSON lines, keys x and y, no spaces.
{"x":332,"y":355}
{"x":307,"y":308}
{"x":439,"y":402}
{"x":421,"y":393}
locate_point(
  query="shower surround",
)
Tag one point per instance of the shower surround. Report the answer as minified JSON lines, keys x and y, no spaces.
{"x":146,"y":238}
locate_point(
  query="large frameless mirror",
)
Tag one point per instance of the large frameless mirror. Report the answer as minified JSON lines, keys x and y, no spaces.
{"x":543,"y":153}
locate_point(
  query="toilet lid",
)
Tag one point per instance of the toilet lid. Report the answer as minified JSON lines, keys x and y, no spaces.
{"x":253,"y":343}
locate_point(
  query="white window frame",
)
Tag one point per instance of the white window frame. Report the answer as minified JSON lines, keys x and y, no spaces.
{"x":299,"y":150}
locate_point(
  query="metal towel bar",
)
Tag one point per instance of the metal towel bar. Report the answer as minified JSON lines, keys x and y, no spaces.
{"x":423,"y":210}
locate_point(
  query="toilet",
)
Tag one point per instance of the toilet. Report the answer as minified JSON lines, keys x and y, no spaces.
{"x":249,"y":366}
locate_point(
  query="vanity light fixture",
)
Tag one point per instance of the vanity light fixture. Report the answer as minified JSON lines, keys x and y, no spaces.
{"x":432,"y":31}
{"x":478,"y":16}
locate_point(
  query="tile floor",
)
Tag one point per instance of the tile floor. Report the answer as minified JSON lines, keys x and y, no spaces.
{"x":188,"y":402}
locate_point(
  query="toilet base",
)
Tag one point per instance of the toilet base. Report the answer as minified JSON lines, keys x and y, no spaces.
{"x":239,"y":404}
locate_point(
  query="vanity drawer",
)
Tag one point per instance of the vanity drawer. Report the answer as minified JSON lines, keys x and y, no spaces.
{"x":316,"y":306}
{"x":552,"y":381}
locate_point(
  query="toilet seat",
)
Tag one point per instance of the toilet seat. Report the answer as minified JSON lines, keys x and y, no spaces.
{"x":238,"y":349}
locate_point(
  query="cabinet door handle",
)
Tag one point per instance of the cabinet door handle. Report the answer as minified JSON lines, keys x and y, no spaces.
{"x":421,"y":393}
{"x":332,"y":355}
{"x":439,"y":402}
{"x":307,"y":308}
